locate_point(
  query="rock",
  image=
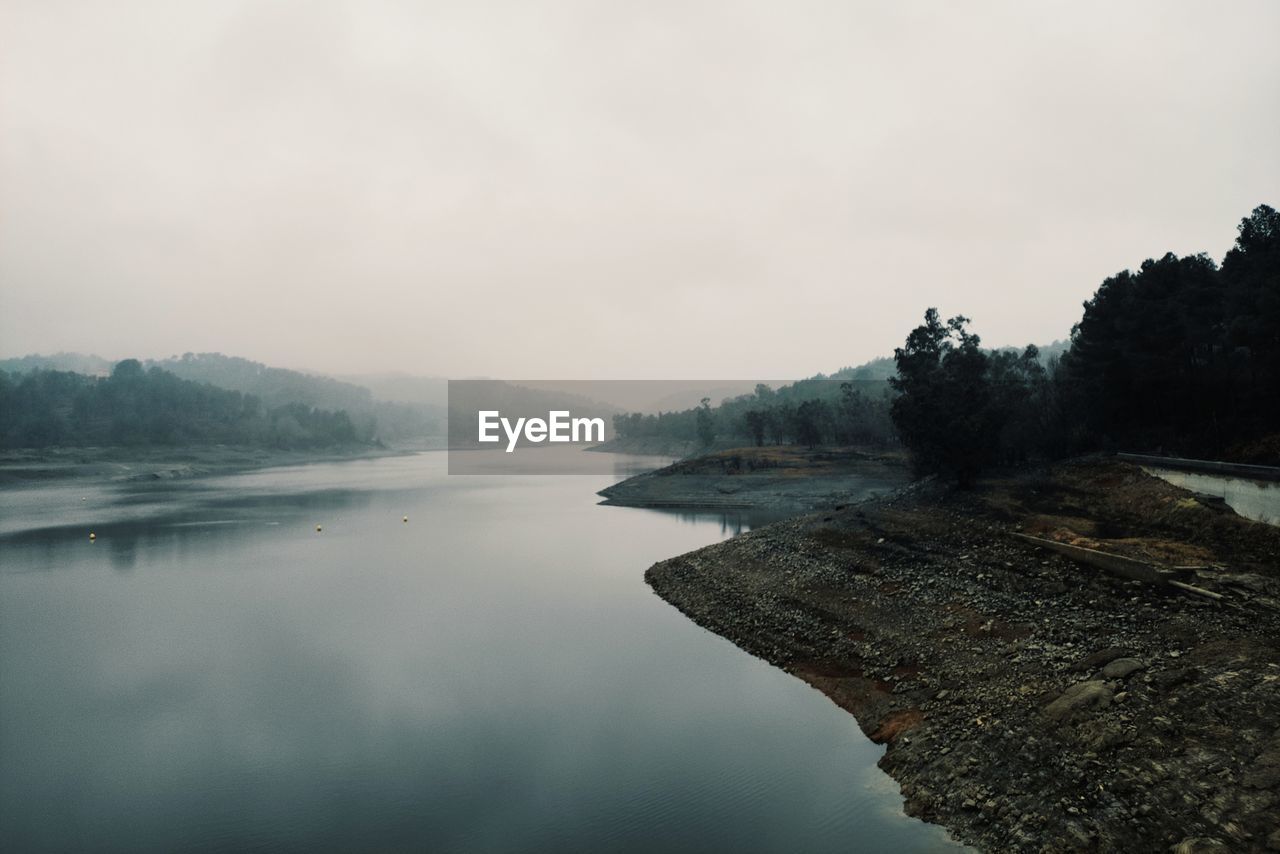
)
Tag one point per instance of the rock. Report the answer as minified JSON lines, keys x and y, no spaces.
{"x":1083,"y":695}
{"x":1101,"y":735}
{"x":1122,"y":667}
{"x":1264,"y":773}
{"x":1173,"y":678}
{"x":1101,"y":657}
{"x":1024,"y":743}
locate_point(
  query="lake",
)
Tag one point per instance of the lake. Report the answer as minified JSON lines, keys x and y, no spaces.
{"x":1258,"y":500}
{"x":213,"y":674}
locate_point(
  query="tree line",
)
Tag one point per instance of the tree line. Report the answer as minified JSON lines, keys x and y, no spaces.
{"x":853,"y":406}
{"x":1180,"y":357}
{"x":136,"y":406}
{"x":278,"y":387}
{"x":811,"y":412}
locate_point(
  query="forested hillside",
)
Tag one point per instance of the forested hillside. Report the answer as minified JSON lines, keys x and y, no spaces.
{"x":135,"y":406}
{"x":274,"y":388}
{"x":280,"y":386}
{"x":79,"y":363}
{"x":1181,"y":356}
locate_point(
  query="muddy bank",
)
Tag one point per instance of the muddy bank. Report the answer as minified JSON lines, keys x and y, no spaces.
{"x":1029,"y":703}
{"x":764,"y":478}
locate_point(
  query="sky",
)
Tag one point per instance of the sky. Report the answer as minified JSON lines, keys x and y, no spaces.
{"x":608,"y":189}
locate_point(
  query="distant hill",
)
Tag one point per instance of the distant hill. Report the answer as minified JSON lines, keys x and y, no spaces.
{"x":685,"y":395}
{"x":876,"y":369}
{"x":274,"y":387}
{"x":404,"y":388}
{"x":885,"y":368}
{"x":849,"y":406}
{"x":135,"y":406}
{"x":1055,"y":349}
{"x":1048,"y":352}
{"x":94,"y":366}
{"x":280,"y":386}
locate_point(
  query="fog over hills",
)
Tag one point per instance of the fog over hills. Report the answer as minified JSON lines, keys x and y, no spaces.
{"x":638,"y":191}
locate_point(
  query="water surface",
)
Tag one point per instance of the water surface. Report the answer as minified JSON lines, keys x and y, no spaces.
{"x":1253,"y":499}
{"x":494,"y":675}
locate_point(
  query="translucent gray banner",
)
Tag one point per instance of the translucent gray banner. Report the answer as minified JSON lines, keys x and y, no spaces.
{"x":600,"y":427}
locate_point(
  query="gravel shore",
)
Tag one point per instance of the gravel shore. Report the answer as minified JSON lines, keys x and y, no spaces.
{"x":1028,"y":702}
{"x":773,"y":478}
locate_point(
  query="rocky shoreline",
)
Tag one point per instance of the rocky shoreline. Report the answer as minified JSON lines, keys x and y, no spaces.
{"x":772,"y":478}
{"x":1028,"y":702}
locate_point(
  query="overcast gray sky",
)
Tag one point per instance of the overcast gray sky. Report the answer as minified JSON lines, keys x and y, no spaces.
{"x":608,"y":189}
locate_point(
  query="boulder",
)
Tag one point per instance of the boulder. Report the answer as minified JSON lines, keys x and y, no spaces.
{"x":1122,"y":667}
{"x":1081,"y":696}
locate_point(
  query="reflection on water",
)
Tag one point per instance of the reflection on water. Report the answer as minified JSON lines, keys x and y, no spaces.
{"x":730,"y":522}
{"x":1253,"y":499}
{"x":549,"y":460}
{"x":493,"y":675}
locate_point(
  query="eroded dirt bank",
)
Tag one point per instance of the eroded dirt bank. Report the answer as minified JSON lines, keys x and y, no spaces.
{"x":1029,"y":703}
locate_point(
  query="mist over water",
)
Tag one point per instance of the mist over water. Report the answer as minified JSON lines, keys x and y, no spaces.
{"x":213,"y":674}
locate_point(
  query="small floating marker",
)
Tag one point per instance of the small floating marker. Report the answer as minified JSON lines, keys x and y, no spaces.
{"x":92,"y":535}
{"x":317,"y":529}
{"x":405,"y":519}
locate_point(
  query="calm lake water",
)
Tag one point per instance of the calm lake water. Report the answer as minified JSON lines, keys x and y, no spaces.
{"x":1253,"y":499}
{"x":494,"y":675}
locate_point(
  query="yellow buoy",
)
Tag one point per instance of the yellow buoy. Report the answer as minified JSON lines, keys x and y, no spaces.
{"x":92,"y":535}
{"x":317,"y":529}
